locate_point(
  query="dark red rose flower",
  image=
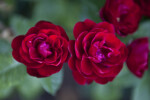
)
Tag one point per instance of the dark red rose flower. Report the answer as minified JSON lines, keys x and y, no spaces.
{"x":137,"y":60}
{"x":145,"y":6}
{"x":96,"y":54}
{"x":43,"y":49}
{"x":124,"y":14}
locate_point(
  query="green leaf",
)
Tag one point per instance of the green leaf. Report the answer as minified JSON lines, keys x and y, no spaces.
{"x":4,"y":93}
{"x":5,"y":54}
{"x":30,"y":88}
{"x":142,"y":91}
{"x":143,"y":30}
{"x":106,"y":92}
{"x":126,"y":79}
{"x":12,"y":75}
{"x":52,"y":84}
{"x":5,"y":47}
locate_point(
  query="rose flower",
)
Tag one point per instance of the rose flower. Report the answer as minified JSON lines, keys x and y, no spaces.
{"x":137,"y":60}
{"x":43,"y":49}
{"x":96,"y":53}
{"x":123,"y":14}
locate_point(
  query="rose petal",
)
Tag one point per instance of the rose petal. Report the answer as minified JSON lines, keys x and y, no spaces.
{"x":46,"y":25}
{"x":80,"y":27}
{"x":16,"y":43}
{"x":80,"y":79}
{"x":78,"y":45}
{"x":105,"y":27}
{"x":48,"y":70}
{"x":103,"y":80}
{"x":86,"y":66}
{"x":32,"y":30}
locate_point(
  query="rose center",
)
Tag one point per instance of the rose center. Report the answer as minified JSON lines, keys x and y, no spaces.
{"x":44,"y":49}
{"x":99,"y":55}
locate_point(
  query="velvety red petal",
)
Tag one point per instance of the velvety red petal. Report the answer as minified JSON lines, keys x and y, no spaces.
{"x":71,"y":47}
{"x":105,"y":26}
{"x":34,"y":54}
{"x":80,"y":79}
{"x":86,"y":66}
{"x":80,"y":27}
{"x":33,"y":72}
{"x":32,"y":30}
{"x":71,"y":63}
{"x":64,"y":54}
{"x":27,"y":42}
{"x":103,"y":80}
{"x":46,"y":25}
{"x":16,"y":44}
{"x":48,"y":70}
{"x":86,"y":43}
{"x":78,"y":45}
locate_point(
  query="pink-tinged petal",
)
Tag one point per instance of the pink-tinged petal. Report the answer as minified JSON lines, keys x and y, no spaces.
{"x":80,"y":27}
{"x":63,"y":33}
{"x":104,"y":27}
{"x":46,"y":25}
{"x":32,"y":30}
{"x":80,"y":79}
{"x":16,"y":44}
{"x":48,"y":70}
{"x":43,"y":49}
{"x":137,"y":60}
{"x":71,"y":63}
{"x":86,"y":66}
{"x":78,"y":45}
{"x":71,"y":47}
{"x":103,"y":80}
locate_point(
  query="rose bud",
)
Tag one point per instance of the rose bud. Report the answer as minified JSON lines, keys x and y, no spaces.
{"x":137,"y":60}
{"x":145,"y":6}
{"x":123,"y":14}
{"x":96,"y":54}
{"x":43,"y":49}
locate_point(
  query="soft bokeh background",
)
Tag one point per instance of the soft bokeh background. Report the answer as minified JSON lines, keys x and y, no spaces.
{"x":17,"y":16}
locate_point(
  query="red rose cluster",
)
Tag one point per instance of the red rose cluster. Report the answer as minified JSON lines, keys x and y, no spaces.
{"x":96,"y":53}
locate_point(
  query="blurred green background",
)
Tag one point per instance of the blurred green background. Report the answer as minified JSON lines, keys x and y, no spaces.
{"x":17,"y":16}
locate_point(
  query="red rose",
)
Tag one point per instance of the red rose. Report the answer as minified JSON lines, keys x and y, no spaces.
{"x":43,"y":49}
{"x":137,"y":60}
{"x":96,"y":54}
{"x":124,"y":14}
{"x":145,"y":6}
